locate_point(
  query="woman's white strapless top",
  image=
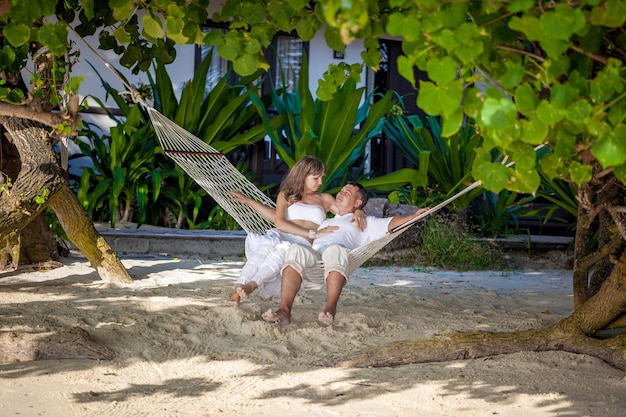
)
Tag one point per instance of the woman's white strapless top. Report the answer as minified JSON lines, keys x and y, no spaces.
{"x":310,"y":212}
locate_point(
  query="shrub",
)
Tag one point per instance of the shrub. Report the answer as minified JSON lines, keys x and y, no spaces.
{"x":446,"y":246}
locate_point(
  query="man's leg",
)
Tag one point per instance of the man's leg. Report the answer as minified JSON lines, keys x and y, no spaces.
{"x":335,"y":263}
{"x":334,"y":285}
{"x":298,"y":258}
{"x":291,"y":281}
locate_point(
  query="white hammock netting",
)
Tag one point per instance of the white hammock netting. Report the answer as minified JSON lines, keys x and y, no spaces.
{"x":217,"y":176}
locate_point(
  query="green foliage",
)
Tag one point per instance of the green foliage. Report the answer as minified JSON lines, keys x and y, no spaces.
{"x":123,"y":169}
{"x":497,"y":215}
{"x":128,"y":164}
{"x":223,"y":117}
{"x":326,"y":129}
{"x":447,"y":247}
{"x":448,"y":160}
{"x":561,"y":62}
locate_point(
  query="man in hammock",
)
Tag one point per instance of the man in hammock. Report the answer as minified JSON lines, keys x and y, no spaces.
{"x":333,"y":249}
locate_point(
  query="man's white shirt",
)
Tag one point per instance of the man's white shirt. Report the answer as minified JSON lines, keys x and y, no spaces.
{"x":349,"y":234}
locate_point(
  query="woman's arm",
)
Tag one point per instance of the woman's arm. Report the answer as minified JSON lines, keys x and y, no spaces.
{"x":268,"y":213}
{"x":282,"y":223}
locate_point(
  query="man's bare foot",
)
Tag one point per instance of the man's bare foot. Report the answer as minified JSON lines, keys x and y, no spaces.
{"x":325,"y":319}
{"x":277,"y":317}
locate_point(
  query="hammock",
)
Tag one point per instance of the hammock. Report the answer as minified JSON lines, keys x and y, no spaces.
{"x":217,"y":176}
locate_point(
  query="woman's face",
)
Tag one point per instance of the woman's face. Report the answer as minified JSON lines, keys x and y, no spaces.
{"x":313,"y":182}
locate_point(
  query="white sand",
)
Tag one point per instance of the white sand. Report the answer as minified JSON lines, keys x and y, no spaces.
{"x":181,"y":352}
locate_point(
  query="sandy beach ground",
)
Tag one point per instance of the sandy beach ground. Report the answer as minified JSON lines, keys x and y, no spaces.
{"x":181,"y":351}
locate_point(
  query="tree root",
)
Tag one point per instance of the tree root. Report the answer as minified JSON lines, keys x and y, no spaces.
{"x":459,"y":346}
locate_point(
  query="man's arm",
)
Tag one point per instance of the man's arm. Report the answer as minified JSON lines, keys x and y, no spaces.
{"x":400,"y":220}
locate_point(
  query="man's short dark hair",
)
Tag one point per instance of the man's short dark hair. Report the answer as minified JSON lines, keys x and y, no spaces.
{"x":362,"y":193}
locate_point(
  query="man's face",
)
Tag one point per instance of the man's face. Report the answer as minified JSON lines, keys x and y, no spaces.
{"x":347,"y":199}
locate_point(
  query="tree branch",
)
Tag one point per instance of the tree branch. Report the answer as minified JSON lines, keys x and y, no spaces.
{"x":520,"y":51}
{"x":31,"y":111}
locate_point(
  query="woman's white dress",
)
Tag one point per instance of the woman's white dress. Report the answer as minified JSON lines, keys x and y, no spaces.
{"x":266,"y":252}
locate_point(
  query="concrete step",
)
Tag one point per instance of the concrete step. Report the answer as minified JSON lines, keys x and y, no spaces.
{"x":206,"y":244}
{"x":229,"y":244}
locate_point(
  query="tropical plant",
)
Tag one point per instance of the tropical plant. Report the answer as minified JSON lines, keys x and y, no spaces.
{"x":336,"y":130}
{"x":122,"y":169}
{"x":449,"y":158}
{"x":223,"y":117}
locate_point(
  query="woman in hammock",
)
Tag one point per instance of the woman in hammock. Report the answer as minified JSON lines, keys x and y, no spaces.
{"x":300,"y":209}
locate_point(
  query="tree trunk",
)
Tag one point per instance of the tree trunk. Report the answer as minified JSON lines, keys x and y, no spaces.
{"x":35,"y":243}
{"x":40,"y":174}
{"x":571,"y":334}
{"x":580,"y":278}
{"x":81,"y":232}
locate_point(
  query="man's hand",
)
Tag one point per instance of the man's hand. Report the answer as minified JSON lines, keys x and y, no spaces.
{"x":359,"y":218}
{"x":420,"y":211}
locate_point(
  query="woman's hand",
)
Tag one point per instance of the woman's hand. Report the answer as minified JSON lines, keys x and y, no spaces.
{"x":359,"y":218}
{"x":239,"y":196}
{"x":326,"y":231}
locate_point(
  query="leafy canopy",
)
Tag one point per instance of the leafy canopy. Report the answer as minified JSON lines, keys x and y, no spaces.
{"x":528,"y":72}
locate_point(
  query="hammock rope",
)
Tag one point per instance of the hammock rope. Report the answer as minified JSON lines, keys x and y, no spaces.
{"x":218,"y":176}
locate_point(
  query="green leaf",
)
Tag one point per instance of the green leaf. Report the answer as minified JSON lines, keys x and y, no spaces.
{"x":524,"y":181}
{"x":152,"y":26}
{"x":54,"y":36}
{"x":580,"y":173}
{"x":562,"y":95}
{"x":333,"y":39}
{"x":516,"y":6}
{"x":494,"y":176}
{"x":397,"y":179}
{"x":578,"y":111}
{"x":17,"y":34}
{"x":121,"y":35}
{"x":442,"y":71}
{"x":609,"y":150}
{"x":528,"y":25}
{"x":525,"y":98}
{"x":611,"y":13}
{"x":452,"y":123}
{"x":122,"y":12}
{"x":498,"y":114}
{"x":439,"y":100}
{"x":534,"y":131}
{"x":88,"y":8}
{"x":405,"y":68}
{"x":549,"y":114}
{"x":245,"y":64}
{"x":562,"y":22}
{"x":619,"y":171}
{"x":513,"y":75}
{"x":406,"y":26}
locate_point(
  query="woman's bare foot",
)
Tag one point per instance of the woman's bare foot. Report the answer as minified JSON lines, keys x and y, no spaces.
{"x":244,"y":291}
{"x":235,"y":297}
